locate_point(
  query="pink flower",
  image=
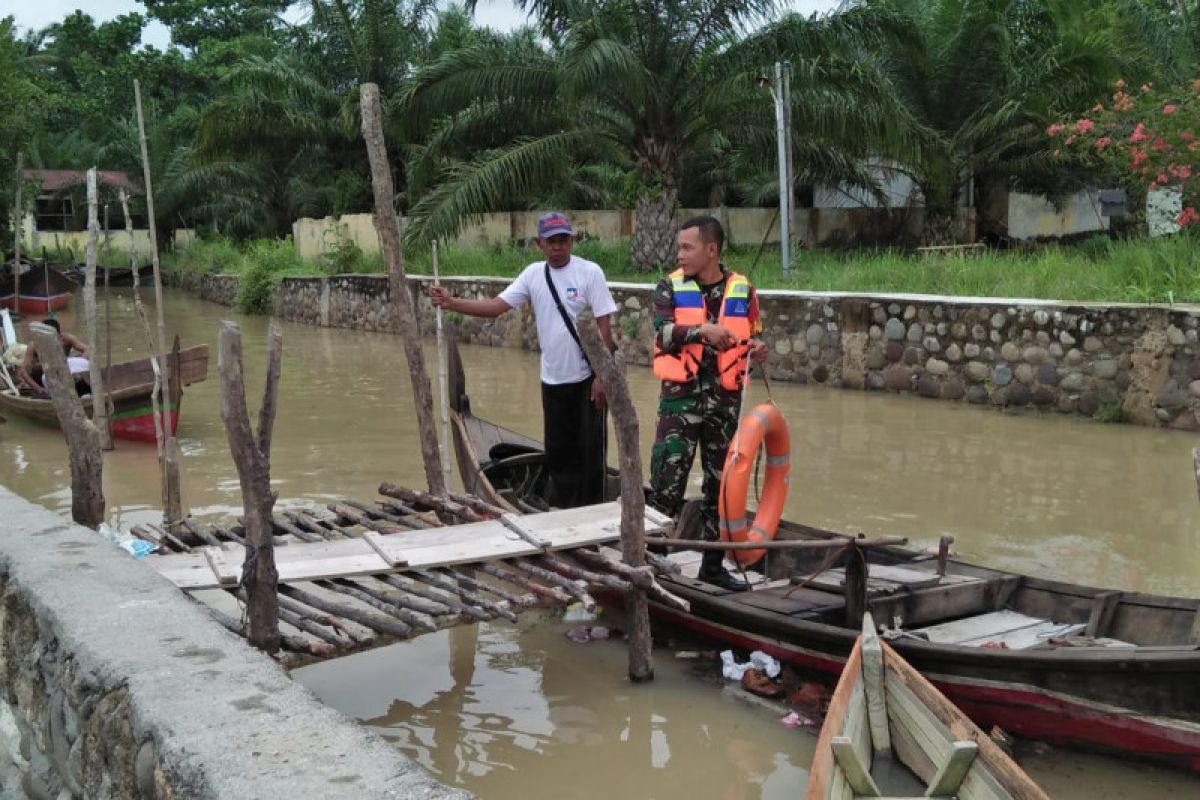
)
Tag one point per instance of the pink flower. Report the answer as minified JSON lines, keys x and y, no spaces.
{"x":1120,"y":83}
{"x":1187,"y":136}
{"x":1055,"y":129}
{"x":1168,"y":109}
{"x":1070,"y":139}
{"x":1159,"y":145}
{"x":1098,"y":107}
{"x":1146,"y":87}
{"x":1181,"y":171}
{"x":1084,"y":125}
{"x":1163,"y":179}
{"x":1187,"y":217}
{"x":1103,"y":142}
{"x":1139,"y":133}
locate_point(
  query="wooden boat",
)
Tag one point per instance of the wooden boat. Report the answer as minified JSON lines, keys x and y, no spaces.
{"x":130,"y":384}
{"x":1070,"y":664}
{"x":43,"y":289}
{"x":890,"y":733}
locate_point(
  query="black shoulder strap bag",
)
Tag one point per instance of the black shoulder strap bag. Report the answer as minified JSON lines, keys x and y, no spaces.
{"x":566,"y":318}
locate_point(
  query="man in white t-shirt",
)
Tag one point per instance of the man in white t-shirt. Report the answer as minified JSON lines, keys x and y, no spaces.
{"x":572,"y":397}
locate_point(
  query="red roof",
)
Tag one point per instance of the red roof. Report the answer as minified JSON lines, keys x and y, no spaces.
{"x":55,"y":180}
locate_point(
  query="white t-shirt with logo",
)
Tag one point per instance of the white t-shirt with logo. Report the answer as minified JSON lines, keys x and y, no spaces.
{"x":580,"y":283}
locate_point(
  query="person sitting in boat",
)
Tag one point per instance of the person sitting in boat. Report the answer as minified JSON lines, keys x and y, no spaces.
{"x":32,"y":374}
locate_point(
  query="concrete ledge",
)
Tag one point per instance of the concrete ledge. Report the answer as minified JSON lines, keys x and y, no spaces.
{"x":114,"y":684}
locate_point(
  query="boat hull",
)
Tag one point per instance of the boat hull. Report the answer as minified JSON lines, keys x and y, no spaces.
{"x":1015,"y":698}
{"x":37,"y":304}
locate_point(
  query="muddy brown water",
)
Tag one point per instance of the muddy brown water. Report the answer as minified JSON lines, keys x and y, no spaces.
{"x":519,"y":711}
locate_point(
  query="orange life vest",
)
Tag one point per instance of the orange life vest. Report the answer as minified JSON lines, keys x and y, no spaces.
{"x":683,"y":367}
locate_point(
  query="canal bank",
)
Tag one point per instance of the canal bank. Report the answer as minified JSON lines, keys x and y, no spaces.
{"x":114,"y":684}
{"x":1117,"y":362}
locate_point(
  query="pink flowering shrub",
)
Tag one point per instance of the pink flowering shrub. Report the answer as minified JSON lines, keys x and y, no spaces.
{"x":1149,"y":136}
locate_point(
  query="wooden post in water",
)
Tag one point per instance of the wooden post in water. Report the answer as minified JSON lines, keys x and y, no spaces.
{"x":252,"y":457}
{"x":388,"y":228}
{"x":95,"y":372}
{"x":83,"y":439}
{"x":155,"y":408}
{"x":172,"y":495}
{"x":18,"y":224}
{"x":633,"y":500}
{"x":443,"y":376}
{"x":1196,"y":464}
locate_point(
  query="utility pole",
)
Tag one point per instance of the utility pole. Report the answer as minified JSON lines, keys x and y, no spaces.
{"x":782,"y":93}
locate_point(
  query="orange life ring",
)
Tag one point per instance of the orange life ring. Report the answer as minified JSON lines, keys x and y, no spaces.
{"x":764,"y":422}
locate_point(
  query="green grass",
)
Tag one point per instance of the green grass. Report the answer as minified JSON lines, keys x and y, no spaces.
{"x":1099,"y":269}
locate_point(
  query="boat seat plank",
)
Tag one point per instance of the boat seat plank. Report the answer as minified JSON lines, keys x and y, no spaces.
{"x":856,"y":772}
{"x":1104,"y":606}
{"x":952,"y":772}
{"x":1025,"y":638}
{"x":979,"y":627}
{"x":882,"y":580}
{"x":796,"y":603}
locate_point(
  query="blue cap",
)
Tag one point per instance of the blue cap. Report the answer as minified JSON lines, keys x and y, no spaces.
{"x":554,"y":224}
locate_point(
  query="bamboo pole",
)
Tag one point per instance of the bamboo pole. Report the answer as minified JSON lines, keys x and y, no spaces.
{"x":468,"y":581}
{"x":108,"y":404}
{"x":83,"y":439}
{"x":443,"y":503}
{"x":422,"y":622}
{"x":443,"y":377}
{"x":155,"y":408}
{"x":172,"y":501}
{"x":633,"y":500}
{"x":388,"y":228}
{"x":388,"y":627}
{"x":95,"y":371}
{"x":18,"y":217}
{"x":259,"y":574}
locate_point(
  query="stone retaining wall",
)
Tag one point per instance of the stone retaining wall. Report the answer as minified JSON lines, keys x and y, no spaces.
{"x":114,"y":685}
{"x":1140,"y":363}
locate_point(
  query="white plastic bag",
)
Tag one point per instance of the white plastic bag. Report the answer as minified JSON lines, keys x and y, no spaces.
{"x":758,"y":660}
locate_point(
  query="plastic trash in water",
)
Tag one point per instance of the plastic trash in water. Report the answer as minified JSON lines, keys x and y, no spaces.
{"x":765,"y":662}
{"x":578,"y":612}
{"x":138,"y":548}
{"x":758,"y":660}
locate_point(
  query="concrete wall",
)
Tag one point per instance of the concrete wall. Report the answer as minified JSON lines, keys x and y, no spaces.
{"x":33,"y":240}
{"x":114,"y":685}
{"x":1141,"y":362}
{"x":747,"y":227}
{"x":1031,"y":216}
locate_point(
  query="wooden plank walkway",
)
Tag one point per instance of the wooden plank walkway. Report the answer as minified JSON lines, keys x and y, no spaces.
{"x":212,"y":567}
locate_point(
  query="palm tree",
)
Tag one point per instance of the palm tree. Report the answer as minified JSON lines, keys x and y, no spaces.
{"x":664,"y":90}
{"x":984,"y":77}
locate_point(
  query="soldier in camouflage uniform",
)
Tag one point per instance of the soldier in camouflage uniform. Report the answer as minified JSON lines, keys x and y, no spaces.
{"x":700,"y":354}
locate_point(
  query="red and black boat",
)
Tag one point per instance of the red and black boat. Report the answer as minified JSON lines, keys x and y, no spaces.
{"x":1070,"y":664}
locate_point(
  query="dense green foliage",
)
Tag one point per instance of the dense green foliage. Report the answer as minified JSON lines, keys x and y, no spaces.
{"x":252,"y":119}
{"x":1099,"y":269}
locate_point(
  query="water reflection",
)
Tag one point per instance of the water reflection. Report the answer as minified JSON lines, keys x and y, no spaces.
{"x":509,"y":711}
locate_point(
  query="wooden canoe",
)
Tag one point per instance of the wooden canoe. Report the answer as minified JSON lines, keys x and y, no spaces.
{"x":130,"y":385}
{"x":889,"y":733}
{"x":1070,"y":664}
{"x":43,"y":289}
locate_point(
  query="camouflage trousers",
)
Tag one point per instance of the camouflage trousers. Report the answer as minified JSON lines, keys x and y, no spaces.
{"x":685,"y":423}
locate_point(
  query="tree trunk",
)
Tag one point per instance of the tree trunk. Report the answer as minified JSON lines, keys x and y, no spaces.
{"x":633,"y":499}
{"x":83,"y":439}
{"x":259,"y":575}
{"x":96,"y":373}
{"x":388,"y":227}
{"x":654,"y":231}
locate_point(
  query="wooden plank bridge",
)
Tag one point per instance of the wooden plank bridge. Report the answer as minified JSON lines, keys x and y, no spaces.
{"x":355,"y":575}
